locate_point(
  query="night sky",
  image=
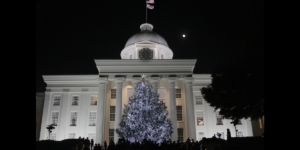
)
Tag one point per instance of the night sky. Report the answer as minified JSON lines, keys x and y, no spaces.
{"x":71,"y":34}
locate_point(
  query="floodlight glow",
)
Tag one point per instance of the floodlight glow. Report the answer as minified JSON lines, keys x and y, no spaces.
{"x":183,"y":35}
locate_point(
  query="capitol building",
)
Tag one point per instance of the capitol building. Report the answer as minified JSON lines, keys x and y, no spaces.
{"x":92,"y":105}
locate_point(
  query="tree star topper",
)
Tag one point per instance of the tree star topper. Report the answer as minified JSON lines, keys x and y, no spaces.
{"x":143,"y":76}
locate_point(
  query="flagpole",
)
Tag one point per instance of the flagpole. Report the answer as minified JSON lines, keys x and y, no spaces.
{"x":146,"y":11}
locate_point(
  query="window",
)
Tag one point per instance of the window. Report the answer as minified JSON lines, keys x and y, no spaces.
{"x":180,"y":134}
{"x":130,"y":56}
{"x":92,"y":121}
{"x":179,"y":113}
{"x":129,"y":92}
{"x":240,"y":122}
{"x":198,"y":100}
{"x":92,"y":136}
{"x":54,"y":119}
{"x":260,"y":125}
{"x":113,"y":94}
{"x":111,"y":134}
{"x":178,"y":93}
{"x":239,"y":133}
{"x":221,"y":135}
{"x":73,"y":118}
{"x":112,"y":113}
{"x":200,"y":120}
{"x":56,"y":101}
{"x":52,"y":136}
{"x":162,"y":56}
{"x":72,"y":135}
{"x":219,"y":119}
{"x":201,"y":135}
{"x":93,"y":100}
{"x":161,"y":93}
{"x":75,"y":100}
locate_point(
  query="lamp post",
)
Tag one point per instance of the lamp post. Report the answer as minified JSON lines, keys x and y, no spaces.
{"x":50,"y":127}
{"x":235,"y":122}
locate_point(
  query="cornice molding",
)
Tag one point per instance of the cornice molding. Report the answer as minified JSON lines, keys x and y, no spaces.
{"x":54,"y":80}
{"x":144,"y":63}
{"x":189,"y":79}
{"x":69,"y":77}
{"x":73,"y":89}
{"x":146,"y":66}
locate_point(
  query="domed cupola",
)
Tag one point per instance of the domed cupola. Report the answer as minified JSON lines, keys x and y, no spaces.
{"x":146,"y":45}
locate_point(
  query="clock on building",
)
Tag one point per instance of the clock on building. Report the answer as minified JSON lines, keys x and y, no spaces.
{"x":145,"y":53}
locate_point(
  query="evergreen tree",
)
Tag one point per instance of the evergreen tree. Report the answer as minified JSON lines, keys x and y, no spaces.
{"x":145,"y":117}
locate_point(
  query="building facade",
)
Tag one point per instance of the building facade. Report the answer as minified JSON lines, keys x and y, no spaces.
{"x":92,"y":105}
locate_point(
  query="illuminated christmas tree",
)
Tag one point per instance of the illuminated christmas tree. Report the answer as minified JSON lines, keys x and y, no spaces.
{"x":145,"y":117}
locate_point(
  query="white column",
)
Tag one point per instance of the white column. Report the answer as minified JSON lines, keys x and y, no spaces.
{"x":248,"y":126}
{"x":154,"y":82}
{"x":44,"y":134}
{"x":118,"y":113}
{"x":83,"y":115}
{"x":173,"y":112}
{"x":100,"y":110}
{"x":190,"y":108}
{"x":63,"y":116}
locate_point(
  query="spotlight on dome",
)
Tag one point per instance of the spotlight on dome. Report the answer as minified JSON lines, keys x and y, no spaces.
{"x":183,"y":35}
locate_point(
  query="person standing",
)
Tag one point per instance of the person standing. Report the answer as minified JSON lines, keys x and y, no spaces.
{"x":87,"y":142}
{"x":105,"y":145}
{"x":92,"y":144}
{"x":96,"y":147}
{"x":187,"y":143}
{"x":82,"y":142}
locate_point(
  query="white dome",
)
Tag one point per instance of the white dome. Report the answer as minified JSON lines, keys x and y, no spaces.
{"x":146,"y":34}
{"x":149,"y":40}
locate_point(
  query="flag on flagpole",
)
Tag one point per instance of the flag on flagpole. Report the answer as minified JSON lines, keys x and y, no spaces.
{"x":150,"y":1}
{"x":150,"y":6}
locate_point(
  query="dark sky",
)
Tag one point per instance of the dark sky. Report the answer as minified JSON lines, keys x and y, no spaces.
{"x":71,"y":34}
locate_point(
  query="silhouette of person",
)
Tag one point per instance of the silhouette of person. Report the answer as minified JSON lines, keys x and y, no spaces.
{"x":105,"y":145}
{"x":111,"y":144}
{"x":214,"y":137}
{"x":202,"y":142}
{"x":228,"y":134}
{"x":92,"y":143}
{"x":87,"y":142}
{"x":97,"y":147}
{"x":82,"y":142}
{"x":188,"y":143}
{"x":86,"y":148}
{"x":79,"y":144}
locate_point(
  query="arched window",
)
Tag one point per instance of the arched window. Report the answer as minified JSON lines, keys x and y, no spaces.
{"x":130,"y":56}
{"x":162,"y":56}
